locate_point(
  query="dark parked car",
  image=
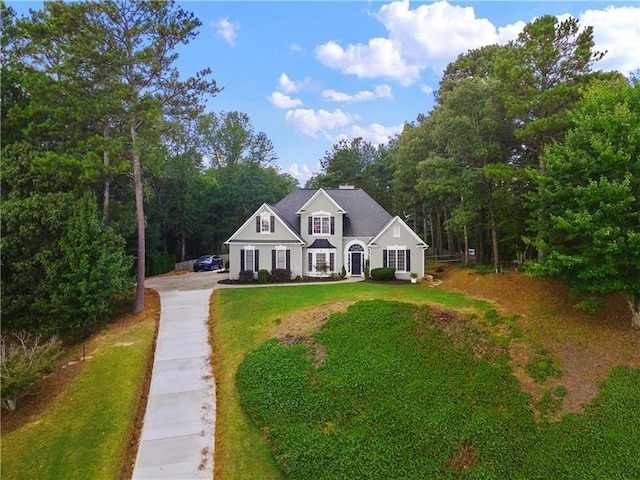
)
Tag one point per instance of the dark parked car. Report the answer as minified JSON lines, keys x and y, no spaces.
{"x":208,"y":263}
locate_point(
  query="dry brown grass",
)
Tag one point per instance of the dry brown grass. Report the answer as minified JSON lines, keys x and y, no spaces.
{"x":587,"y":345}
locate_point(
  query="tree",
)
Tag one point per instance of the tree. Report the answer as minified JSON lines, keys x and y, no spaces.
{"x":590,"y":196}
{"x":146,"y":35}
{"x":229,"y":139}
{"x":543,"y":71}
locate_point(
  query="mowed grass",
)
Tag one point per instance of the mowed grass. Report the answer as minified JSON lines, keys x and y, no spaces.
{"x":85,"y":433}
{"x":384,"y":392}
{"x":241,"y":321}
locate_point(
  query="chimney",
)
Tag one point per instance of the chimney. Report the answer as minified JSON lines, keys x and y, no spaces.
{"x":345,"y":186}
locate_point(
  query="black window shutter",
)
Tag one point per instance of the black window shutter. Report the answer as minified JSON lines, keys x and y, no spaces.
{"x":256,"y":264}
{"x":242,"y":260}
{"x":258,"y":224}
{"x":310,"y":225}
{"x":273,"y":224}
{"x":333,"y":225}
{"x":384,"y":259}
{"x":408,"y":260}
{"x":273,"y":259}
{"x":332,"y":261}
{"x":288,"y":256}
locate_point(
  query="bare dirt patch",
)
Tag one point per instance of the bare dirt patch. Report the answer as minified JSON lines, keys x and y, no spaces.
{"x":303,"y":323}
{"x":587,"y":345}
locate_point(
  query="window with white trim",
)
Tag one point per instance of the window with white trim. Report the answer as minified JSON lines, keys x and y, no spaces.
{"x":396,"y":258}
{"x":249,"y":256}
{"x":281,"y":258}
{"x":322,"y":225}
{"x":265,"y":223}
{"x":321,"y":261}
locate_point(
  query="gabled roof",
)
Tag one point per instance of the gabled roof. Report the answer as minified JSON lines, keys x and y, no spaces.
{"x":364,"y":216}
{"x":273,"y":211}
{"x":319,"y":192}
{"x":397,"y":219}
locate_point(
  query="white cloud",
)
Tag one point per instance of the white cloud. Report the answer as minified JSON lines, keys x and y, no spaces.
{"x":301,"y":172}
{"x":615,"y":30}
{"x":294,"y":47}
{"x":311,"y":122}
{"x":287,"y":85}
{"x":381,"y":57}
{"x":375,"y":132}
{"x":428,"y":89}
{"x":226,"y":30}
{"x":281,"y":100}
{"x":431,"y":35}
{"x":380,"y":91}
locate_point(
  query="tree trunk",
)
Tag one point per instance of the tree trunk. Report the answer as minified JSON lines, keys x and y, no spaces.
{"x":634,"y":305}
{"x":494,"y":238}
{"x":183,"y":249}
{"x":137,"y":182}
{"x":107,"y":182}
{"x":466,"y":244}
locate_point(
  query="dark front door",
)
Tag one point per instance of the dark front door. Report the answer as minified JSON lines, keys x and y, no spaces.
{"x":356,"y":263}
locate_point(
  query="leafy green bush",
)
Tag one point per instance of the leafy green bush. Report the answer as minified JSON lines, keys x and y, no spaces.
{"x":280,"y":275}
{"x":24,"y":358}
{"x":263,"y":276}
{"x":383,"y":274}
{"x":246,"y":276}
{"x":343,"y":272}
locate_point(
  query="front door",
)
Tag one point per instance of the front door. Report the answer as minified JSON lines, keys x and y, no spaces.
{"x":356,"y":263}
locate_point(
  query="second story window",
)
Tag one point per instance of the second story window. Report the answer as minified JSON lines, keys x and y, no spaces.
{"x":321,"y":225}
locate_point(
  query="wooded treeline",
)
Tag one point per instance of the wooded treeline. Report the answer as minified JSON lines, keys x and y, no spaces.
{"x":529,"y":157}
{"x":109,"y":155}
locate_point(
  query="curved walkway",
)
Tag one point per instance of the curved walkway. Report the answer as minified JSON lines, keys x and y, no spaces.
{"x":179,"y":423}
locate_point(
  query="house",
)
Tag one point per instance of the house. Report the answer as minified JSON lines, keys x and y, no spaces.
{"x":315,"y":232}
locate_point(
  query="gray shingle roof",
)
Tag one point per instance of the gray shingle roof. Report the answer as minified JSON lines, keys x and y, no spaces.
{"x":365,"y":217}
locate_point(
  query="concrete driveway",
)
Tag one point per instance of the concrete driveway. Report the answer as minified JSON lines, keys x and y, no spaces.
{"x":177,"y":440}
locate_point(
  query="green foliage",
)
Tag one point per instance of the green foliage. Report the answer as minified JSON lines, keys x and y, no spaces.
{"x":589,"y":197}
{"x":159,"y":263}
{"x":280,"y":275}
{"x":83,"y":272}
{"x":246,"y":276}
{"x":542,"y":366}
{"x":385,"y":274}
{"x":367,"y":264}
{"x":343,"y":272}
{"x":376,"y":394}
{"x":263,"y":276}
{"x":24,"y":358}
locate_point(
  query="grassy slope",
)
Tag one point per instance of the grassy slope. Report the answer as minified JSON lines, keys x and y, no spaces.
{"x":243,"y":319}
{"x":398,"y":399}
{"x":85,"y":432}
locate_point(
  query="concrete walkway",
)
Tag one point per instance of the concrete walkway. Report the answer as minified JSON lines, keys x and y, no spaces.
{"x":179,"y":425}
{"x":177,"y":440}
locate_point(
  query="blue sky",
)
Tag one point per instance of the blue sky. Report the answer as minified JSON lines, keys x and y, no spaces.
{"x":311,"y":73}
